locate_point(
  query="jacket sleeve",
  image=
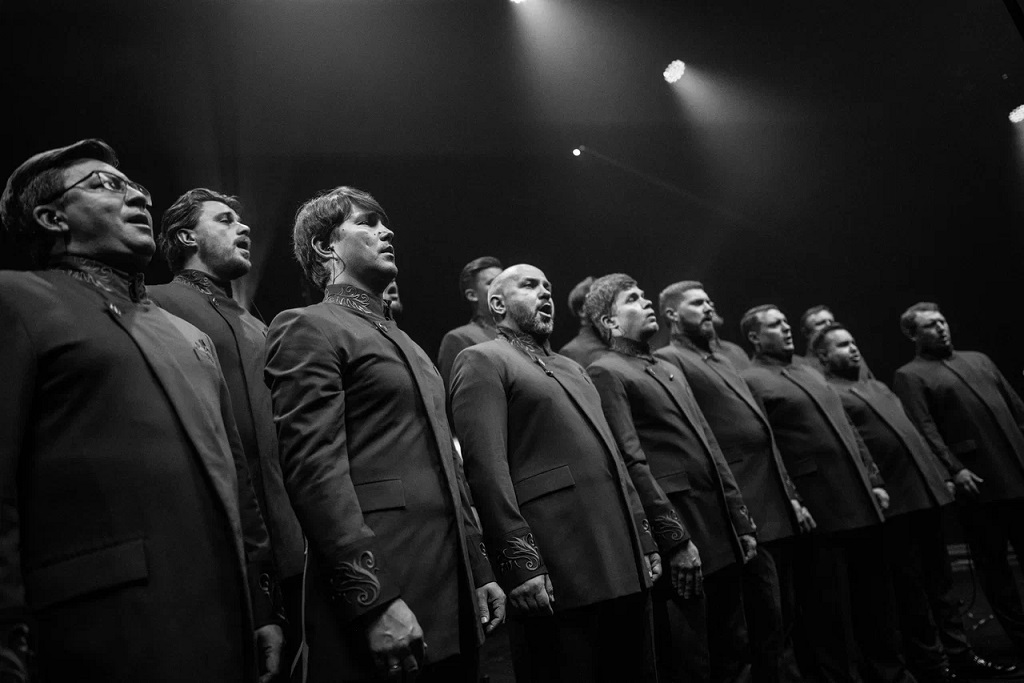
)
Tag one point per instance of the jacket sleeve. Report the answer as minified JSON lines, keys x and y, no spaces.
{"x":17,"y":387}
{"x":914,"y":394}
{"x":667,"y":529}
{"x":479,"y":563}
{"x":480,"y":412}
{"x":1011,"y":397}
{"x":304,"y":372}
{"x":451,"y":345}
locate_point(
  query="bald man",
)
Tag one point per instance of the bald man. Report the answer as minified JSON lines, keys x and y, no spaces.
{"x":563,"y":525}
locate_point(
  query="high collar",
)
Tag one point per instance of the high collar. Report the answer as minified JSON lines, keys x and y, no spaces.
{"x":687,"y":342}
{"x":484,"y":321}
{"x":131,"y":286}
{"x":632,"y":347}
{"x":840,"y":380}
{"x":203,"y":282}
{"x":936,"y":357}
{"x":359,"y":300}
{"x":766,"y":359}
{"x":524,"y":341}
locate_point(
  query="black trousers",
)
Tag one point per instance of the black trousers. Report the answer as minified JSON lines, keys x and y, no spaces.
{"x":930,"y":621}
{"x":703,"y":640}
{"x":600,"y":643}
{"x":769,"y":606}
{"x":847,"y":609}
{"x":990,"y":528}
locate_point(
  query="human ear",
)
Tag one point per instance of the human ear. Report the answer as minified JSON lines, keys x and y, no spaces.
{"x":611,"y":324}
{"x":323,"y":249}
{"x":50,"y":219}
{"x":186,"y":237}
{"x":470,"y":295}
{"x":497,"y":304}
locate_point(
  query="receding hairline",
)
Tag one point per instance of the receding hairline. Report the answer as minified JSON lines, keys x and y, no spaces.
{"x":501,"y":280}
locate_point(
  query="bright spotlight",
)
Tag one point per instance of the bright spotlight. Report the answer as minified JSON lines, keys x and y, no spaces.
{"x":674,"y":71}
{"x":576,"y":152}
{"x":518,"y":1}
{"x":1017,"y":115}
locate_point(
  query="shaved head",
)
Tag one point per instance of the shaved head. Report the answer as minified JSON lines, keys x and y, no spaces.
{"x":510,"y":276}
{"x":520,"y":298}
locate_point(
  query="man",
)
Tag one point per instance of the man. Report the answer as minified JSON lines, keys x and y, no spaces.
{"x":123,"y":486}
{"x":474,"y":280}
{"x":731,"y":351}
{"x":813,"y":320}
{"x":745,"y":437}
{"x":563,"y":523}
{"x":587,"y":344}
{"x":393,"y":299}
{"x":972,"y":419}
{"x":207,"y":246}
{"x":933,"y":630}
{"x":680,"y":474}
{"x":367,"y":457}
{"x":843,"y":583}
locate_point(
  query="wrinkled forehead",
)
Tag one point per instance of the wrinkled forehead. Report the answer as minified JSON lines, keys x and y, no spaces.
{"x":692,"y":295}
{"x":212,"y":209}
{"x":515,"y":276}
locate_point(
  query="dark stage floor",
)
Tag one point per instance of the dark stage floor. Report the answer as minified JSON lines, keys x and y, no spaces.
{"x":985,"y":633}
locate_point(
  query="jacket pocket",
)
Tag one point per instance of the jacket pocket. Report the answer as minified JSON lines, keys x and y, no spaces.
{"x":801,"y":467}
{"x":87,"y":573}
{"x":544,"y":483}
{"x":677,"y":482}
{"x":387,"y":494}
{"x":963,"y":447}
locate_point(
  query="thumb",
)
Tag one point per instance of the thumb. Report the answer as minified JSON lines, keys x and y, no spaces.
{"x":549,"y":588}
{"x":482,"y":608}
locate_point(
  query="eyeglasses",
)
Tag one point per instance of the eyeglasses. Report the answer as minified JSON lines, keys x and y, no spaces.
{"x":109,"y":182}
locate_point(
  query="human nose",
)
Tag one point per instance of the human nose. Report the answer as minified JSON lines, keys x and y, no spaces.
{"x":134,"y":196}
{"x":243,"y":229}
{"x":384,"y":233}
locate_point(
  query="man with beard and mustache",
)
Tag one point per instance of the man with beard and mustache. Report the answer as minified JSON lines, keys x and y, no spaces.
{"x":394,"y":553}
{"x":127,"y":521}
{"x":843,"y":586}
{"x":207,"y":247}
{"x":974,"y":421}
{"x":475,"y":278}
{"x":681,"y":476}
{"x":813,"y":321}
{"x":563,"y":524}
{"x":933,"y":629}
{"x":746,"y":440}
{"x":587,"y":344}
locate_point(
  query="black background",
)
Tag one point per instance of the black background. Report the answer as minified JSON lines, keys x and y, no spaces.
{"x":854,"y":154}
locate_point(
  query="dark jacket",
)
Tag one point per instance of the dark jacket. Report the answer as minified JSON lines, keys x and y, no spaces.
{"x":734,"y":353}
{"x":551,"y":489}
{"x":585,"y":347}
{"x":822,"y":451}
{"x":369,"y":467}
{"x":241,"y":342}
{"x":744,"y":435}
{"x":476,"y":331}
{"x":971,"y":418}
{"x":119,"y":475}
{"x":914,"y":477}
{"x":671,"y":453}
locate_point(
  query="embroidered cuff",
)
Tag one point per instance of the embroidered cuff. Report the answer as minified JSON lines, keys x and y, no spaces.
{"x":643,"y":527}
{"x":357,"y":584}
{"x":669,"y":532}
{"x":516,"y":559}
{"x":480,"y":564}
{"x":743,"y":522}
{"x":265,"y":593}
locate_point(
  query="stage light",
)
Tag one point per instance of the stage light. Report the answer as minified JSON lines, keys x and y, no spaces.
{"x":674,"y":71}
{"x":1017,"y":115}
{"x":576,"y":152}
{"x":518,"y":2}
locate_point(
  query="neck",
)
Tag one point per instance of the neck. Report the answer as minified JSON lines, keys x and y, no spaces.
{"x":693,"y":336}
{"x":935,"y":353}
{"x":851,"y":372}
{"x":126,"y":263}
{"x":783,"y":355}
{"x":367,"y":284}
{"x":631,"y":347}
{"x":517,"y":337}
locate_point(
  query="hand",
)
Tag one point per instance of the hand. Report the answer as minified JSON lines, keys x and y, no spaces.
{"x":269,"y":642}
{"x":652,"y":563}
{"x":749,"y":545}
{"x":951,"y":487}
{"x":396,"y":641}
{"x":534,"y":596}
{"x":687,"y":579}
{"x":491,"y":601}
{"x":882,"y":497}
{"x":803,"y":517}
{"x":967,"y":482}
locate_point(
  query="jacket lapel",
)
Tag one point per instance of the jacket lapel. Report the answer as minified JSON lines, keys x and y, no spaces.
{"x":843,"y":435}
{"x":671,"y":386}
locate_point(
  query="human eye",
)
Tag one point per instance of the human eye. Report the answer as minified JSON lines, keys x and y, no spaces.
{"x":111,"y":182}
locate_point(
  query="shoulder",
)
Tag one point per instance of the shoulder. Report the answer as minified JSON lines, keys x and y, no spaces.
{"x":23,"y":284}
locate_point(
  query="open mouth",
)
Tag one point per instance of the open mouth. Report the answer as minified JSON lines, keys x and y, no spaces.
{"x":243,"y":244}
{"x":546,"y":311}
{"x":141,"y":221}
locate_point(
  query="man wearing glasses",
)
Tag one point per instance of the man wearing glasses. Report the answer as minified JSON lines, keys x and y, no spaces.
{"x":121,"y":506}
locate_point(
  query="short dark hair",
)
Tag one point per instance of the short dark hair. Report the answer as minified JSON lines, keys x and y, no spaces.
{"x":316,"y":220}
{"x":813,"y":310}
{"x":467,"y":278}
{"x":818,"y":340}
{"x":670,"y":296}
{"x":184,"y":214}
{"x":908,"y":321}
{"x":39,"y":177}
{"x":601,"y":299}
{"x":577,"y":297}
{"x":751,"y":320}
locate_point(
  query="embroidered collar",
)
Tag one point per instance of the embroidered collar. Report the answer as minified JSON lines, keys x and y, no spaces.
{"x":131,"y":286}
{"x":359,"y":300}
{"x":631,"y":347}
{"x":524,"y":342}
{"x":197,"y":279}
{"x":482,"y":321}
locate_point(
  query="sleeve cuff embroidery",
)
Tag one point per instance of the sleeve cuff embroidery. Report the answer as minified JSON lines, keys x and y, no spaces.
{"x":356,"y":581}
{"x":520,"y":552}
{"x":668,"y":529}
